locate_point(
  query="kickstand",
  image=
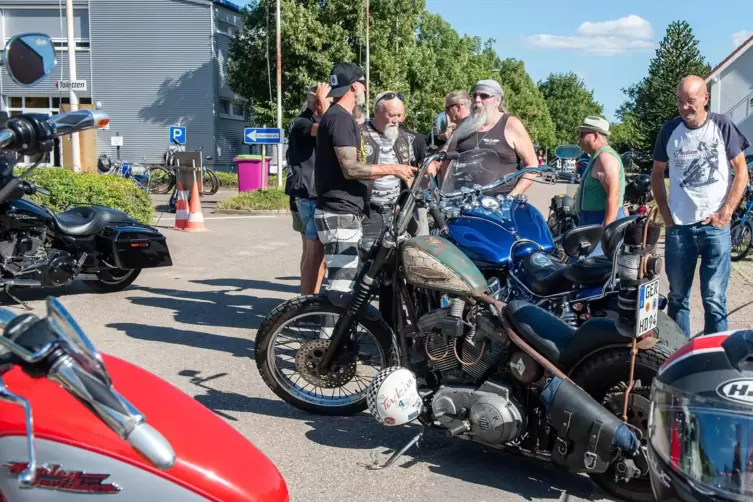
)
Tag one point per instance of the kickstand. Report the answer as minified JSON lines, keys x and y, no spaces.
{"x":17,"y":300}
{"x":374,"y":466}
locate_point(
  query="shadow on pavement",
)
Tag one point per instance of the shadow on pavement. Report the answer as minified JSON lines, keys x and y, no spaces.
{"x":239,"y":347}
{"x":454,"y":458}
{"x":243,"y":284}
{"x":221,"y":308}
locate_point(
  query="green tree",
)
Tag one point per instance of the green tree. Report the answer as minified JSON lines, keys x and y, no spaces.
{"x":624,"y":135}
{"x":653,"y":98}
{"x":569,"y":102}
{"x":525,"y":101}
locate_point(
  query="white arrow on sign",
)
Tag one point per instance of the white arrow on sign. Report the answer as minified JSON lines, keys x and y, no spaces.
{"x":254,"y":135}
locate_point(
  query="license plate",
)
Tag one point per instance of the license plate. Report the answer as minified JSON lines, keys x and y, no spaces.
{"x":648,"y":307}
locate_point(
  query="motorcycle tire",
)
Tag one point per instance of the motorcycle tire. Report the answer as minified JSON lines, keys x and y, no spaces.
{"x":108,"y":283}
{"x":297,"y":307}
{"x":746,"y":240}
{"x":606,"y":370}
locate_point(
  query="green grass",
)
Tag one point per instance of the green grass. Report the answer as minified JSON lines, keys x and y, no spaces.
{"x":230,"y":180}
{"x":269,"y":199}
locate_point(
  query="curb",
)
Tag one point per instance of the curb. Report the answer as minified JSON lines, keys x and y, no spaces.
{"x":251,"y":211}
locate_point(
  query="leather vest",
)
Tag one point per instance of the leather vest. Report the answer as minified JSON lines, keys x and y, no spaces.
{"x":403,"y":146}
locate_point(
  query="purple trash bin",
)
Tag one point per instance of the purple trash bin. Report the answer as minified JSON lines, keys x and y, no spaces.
{"x":252,"y":175}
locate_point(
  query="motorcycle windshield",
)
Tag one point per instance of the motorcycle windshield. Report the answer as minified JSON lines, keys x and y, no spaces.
{"x":474,"y":167}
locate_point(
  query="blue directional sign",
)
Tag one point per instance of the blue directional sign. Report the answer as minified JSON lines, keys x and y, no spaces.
{"x":178,"y":135}
{"x":261,"y":136}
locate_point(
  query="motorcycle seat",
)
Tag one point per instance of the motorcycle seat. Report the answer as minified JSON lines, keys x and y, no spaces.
{"x":556,"y":340}
{"x":546,"y":276}
{"x":589,"y":272}
{"x":88,"y":220}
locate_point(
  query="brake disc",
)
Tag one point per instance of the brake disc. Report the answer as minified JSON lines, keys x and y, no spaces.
{"x":307,"y":363}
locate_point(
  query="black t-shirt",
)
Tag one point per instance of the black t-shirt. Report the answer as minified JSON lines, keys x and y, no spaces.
{"x":301,"y":157}
{"x":335,"y":193}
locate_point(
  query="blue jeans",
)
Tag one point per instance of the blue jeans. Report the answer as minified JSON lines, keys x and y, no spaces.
{"x":306,"y":210}
{"x":596,"y":218}
{"x":684,"y":243}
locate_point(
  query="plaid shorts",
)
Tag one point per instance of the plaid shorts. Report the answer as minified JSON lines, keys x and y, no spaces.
{"x":340,"y":234}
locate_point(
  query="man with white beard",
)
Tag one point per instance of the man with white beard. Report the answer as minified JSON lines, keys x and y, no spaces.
{"x":490,"y":127}
{"x":341,"y":176}
{"x":385,"y":142}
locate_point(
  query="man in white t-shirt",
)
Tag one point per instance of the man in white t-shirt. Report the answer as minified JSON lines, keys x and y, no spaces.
{"x":699,"y":147}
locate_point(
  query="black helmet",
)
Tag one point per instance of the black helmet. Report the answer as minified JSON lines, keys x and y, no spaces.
{"x":700,"y":434}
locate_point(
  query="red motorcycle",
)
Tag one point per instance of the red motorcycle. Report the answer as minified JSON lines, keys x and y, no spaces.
{"x":74,"y":434}
{"x":65,"y":431}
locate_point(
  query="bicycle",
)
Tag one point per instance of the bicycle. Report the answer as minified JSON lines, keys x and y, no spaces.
{"x":741,"y":230}
{"x":209,"y":181}
{"x":124,"y":169}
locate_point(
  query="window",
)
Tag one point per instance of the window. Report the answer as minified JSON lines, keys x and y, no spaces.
{"x":237,"y":110}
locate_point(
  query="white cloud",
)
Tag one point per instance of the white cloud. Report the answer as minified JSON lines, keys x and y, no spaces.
{"x":740,"y":37}
{"x":632,"y":27}
{"x":602,"y":38}
{"x":597,"y":46}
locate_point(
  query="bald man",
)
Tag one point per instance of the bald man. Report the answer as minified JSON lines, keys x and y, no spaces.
{"x":700,"y":148}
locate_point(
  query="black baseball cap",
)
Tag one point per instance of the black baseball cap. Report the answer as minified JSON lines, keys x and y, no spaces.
{"x":342,"y":76}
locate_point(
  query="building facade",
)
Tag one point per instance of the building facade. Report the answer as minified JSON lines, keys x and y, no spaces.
{"x":731,"y":88}
{"x":152,"y":64}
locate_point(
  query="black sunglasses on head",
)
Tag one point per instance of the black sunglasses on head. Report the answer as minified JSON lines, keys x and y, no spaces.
{"x":389,"y":96}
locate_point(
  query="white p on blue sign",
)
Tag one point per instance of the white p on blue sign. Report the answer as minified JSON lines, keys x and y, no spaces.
{"x":178,"y":135}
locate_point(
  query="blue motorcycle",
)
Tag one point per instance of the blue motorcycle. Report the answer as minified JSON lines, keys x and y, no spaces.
{"x":509,"y":241}
{"x":741,"y":229}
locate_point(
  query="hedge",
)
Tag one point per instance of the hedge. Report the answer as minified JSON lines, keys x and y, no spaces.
{"x":71,"y":189}
{"x":269,"y":199}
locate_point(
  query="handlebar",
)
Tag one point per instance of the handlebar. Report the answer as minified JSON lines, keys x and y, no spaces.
{"x":543,"y":168}
{"x":55,"y":347}
{"x":31,"y":133}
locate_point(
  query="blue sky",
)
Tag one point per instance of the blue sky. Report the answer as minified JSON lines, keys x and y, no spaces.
{"x":608,"y":43}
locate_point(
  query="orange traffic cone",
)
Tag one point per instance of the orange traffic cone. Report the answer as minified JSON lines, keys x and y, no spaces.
{"x":195,"y":217}
{"x":181,"y":209}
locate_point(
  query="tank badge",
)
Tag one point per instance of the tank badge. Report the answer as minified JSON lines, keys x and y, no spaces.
{"x":54,"y":477}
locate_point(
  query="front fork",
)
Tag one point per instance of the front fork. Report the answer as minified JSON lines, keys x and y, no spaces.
{"x":363,"y":292}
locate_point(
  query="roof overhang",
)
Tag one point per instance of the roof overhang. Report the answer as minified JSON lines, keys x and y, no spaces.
{"x":741,"y":49}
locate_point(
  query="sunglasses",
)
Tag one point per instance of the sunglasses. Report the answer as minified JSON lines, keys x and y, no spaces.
{"x":484,"y":96}
{"x":389,"y":96}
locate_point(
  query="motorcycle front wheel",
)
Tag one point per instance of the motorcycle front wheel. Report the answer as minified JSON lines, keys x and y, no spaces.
{"x":293,"y":338}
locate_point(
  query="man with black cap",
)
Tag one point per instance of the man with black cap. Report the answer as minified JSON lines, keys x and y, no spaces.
{"x":341,"y":176}
{"x":490,"y":127}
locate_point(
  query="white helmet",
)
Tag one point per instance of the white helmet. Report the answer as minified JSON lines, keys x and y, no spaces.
{"x":393,"y":397}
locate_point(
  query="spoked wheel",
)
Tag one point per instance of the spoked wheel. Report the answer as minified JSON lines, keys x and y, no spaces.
{"x":605,"y":377}
{"x":742,"y":239}
{"x":210,"y":183}
{"x":160,"y":180}
{"x":293,"y":339}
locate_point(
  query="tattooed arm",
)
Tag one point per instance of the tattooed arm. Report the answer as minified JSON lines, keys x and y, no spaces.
{"x":355,"y":170}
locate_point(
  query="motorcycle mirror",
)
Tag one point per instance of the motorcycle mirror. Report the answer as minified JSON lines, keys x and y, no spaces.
{"x":29,"y":58}
{"x":567,"y":151}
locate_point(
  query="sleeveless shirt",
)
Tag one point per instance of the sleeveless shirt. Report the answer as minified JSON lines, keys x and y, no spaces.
{"x":591,"y":195}
{"x":494,"y":139}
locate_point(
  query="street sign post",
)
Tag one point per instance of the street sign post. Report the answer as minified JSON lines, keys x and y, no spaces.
{"x":262,"y":136}
{"x":178,"y":135}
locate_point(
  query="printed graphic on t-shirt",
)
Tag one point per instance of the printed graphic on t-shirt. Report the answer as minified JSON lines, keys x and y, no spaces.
{"x":699,"y":163}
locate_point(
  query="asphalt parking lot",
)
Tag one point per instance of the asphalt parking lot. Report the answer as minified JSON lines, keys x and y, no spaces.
{"x":193,"y":324}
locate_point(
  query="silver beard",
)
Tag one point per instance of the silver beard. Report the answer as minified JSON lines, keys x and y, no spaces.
{"x":361,"y":98}
{"x":391,"y":132}
{"x":472,"y":123}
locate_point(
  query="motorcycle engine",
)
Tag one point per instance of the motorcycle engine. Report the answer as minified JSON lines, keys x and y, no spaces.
{"x":18,"y":250}
{"x":488,"y":413}
{"x":457,"y":348}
